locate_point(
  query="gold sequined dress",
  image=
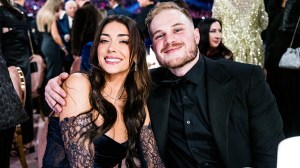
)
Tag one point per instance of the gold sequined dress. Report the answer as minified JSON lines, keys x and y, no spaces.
{"x":243,"y":21}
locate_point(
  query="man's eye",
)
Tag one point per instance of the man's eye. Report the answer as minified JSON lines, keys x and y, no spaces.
{"x":177,"y":30}
{"x":158,"y":36}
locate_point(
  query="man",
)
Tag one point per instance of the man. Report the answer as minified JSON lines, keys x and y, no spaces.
{"x":117,"y":8}
{"x":64,"y":25}
{"x":204,"y":113}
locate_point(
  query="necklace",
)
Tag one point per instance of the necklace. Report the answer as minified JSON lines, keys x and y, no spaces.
{"x":114,"y":98}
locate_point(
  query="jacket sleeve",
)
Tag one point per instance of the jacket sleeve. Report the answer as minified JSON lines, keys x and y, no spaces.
{"x":265,"y":121}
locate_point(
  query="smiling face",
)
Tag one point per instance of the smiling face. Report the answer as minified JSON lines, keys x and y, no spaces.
{"x":215,"y":35}
{"x":174,"y":39}
{"x":113,"y":49}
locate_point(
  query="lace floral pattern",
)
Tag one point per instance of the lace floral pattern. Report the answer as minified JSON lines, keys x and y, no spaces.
{"x":79,"y":151}
{"x":149,"y":148}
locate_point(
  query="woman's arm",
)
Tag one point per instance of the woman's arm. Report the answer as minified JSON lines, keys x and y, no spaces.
{"x":73,"y":123}
{"x":148,"y":145}
{"x":56,"y":37}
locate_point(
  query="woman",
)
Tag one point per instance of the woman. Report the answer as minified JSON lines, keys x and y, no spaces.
{"x":46,"y":16}
{"x":106,"y":109}
{"x":211,"y":39}
{"x":243,"y":21}
{"x":14,"y":46}
{"x":12,"y":113}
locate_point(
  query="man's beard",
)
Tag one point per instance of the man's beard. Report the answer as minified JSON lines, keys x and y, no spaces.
{"x":179,"y":62}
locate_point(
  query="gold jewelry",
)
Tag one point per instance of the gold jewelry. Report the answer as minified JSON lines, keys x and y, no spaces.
{"x":114,"y":98}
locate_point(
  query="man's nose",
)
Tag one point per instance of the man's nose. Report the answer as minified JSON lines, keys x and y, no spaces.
{"x":169,"y":39}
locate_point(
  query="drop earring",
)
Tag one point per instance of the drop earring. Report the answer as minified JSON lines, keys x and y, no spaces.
{"x":135,"y":67}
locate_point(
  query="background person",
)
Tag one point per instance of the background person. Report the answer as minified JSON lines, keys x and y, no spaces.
{"x":45,"y":18}
{"x":243,"y":21}
{"x":64,"y":26}
{"x":117,"y":8}
{"x":211,"y":44}
{"x":284,"y":83}
{"x":14,"y":48}
{"x":12,"y":111}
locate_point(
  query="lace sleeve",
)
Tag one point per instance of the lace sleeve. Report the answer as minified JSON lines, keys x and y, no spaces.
{"x":149,"y":148}
{"x":79,"y":151}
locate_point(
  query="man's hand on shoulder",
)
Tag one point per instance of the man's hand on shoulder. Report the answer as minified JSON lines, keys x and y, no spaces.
{"x":54,"y":94}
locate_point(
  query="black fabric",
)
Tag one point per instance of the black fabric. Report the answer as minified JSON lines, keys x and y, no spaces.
{"x":53,"y":60}
{"x":11,"y":110}
{"x":140,"y":19}
{"x":108,"y":153}
{"x":290,"y":16}
{"x":243,"y":114}
{"x":6,"y":139}
{"x":190,"y":140}
{"x":15,"y":50}
{"x":284,"y":83}
{"x":84,"y":26}
{"x":55,"y":155}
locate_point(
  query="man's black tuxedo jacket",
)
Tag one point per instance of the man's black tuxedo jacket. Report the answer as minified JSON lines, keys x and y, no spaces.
{"x":244,"y":117}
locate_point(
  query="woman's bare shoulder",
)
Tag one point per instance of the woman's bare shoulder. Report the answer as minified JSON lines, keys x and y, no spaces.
{"x":78,"y":88}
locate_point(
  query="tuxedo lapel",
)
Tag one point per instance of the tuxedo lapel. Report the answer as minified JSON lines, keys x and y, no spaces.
{"x":159,"y":104}
{"x":220,"y":95}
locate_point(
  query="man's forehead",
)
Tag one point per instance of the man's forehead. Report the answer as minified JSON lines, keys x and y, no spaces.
{"x":168,"y":18}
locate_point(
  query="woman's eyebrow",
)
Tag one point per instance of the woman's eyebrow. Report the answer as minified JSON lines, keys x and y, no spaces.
{"x":119,"y":35}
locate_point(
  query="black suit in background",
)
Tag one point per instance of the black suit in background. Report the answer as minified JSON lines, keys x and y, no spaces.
{"x":84,"y":27}
{"x":243,"y":115}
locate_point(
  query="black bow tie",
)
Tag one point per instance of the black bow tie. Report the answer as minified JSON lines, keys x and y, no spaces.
{"x":176,"y":82}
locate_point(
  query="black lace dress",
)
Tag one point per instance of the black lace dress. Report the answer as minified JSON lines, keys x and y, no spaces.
{"x":66,"y":147}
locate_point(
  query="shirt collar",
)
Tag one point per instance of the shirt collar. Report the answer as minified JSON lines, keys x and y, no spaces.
{"x":196,"y":73}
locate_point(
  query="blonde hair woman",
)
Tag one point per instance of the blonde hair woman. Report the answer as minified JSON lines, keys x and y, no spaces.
{"x":46,"y":16}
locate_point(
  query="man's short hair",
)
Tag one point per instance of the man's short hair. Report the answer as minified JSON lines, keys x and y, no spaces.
{"x":162,"y":6}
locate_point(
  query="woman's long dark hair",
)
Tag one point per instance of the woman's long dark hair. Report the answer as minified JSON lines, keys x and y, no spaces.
{"x":137,"y":85}
{"x":6,"y":4}
{"x":204,"y":46}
